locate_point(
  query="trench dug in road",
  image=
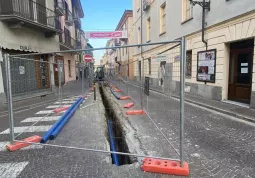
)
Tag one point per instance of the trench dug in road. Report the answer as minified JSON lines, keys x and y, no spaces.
{"x":118,"y":134}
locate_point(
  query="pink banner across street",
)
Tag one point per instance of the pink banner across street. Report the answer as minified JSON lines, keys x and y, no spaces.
{"x":114,"y":34}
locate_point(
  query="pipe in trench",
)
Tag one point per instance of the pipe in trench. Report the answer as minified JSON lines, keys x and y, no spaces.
{"x":112,"y":143}
{"x":118,"y":98}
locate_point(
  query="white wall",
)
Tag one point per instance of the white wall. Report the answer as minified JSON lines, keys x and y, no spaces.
{"x":221,"y":10}
{"x":1,"y":77}
{"x":14,"y":38}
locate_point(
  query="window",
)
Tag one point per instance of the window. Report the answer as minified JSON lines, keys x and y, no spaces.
{"x":69,"y":68}
{"x":149,"y":65}
{"x":148,"y":31}
{"x":163,"y":18}
{"x":187,"y":10}
{"x":189,"y":64}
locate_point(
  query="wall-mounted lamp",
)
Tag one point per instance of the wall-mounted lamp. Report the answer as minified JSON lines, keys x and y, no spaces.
{"x":206,"y":5}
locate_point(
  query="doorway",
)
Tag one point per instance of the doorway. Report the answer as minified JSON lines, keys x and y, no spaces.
{"x":56,"y":71}
{"x":240,"y":71}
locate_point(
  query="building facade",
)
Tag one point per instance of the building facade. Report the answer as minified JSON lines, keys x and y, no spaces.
{"x":109,"y":58}
{"x":71,"y":38}
{"x":29,"y":26}
{"x":227,"y":45}
{"x":125,"y":55}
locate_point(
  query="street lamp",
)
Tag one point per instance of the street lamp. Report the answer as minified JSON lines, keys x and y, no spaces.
{"x":206,"y":5}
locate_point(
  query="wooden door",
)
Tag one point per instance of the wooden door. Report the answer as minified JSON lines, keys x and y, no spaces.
{"x":240,"y":75}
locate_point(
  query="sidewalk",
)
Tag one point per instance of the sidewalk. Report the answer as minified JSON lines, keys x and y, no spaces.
{"x":240,"y":112}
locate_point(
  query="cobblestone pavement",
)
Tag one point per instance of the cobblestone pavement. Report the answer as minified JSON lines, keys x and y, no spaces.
{"x":216,"y":145}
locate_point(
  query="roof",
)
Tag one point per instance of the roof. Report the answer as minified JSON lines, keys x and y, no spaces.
{"x":126,"y":14}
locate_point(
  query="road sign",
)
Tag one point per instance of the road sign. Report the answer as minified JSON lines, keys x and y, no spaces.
{"x":147,"y":86}
{"x":158,"y":58}
{"x":88,"y":58}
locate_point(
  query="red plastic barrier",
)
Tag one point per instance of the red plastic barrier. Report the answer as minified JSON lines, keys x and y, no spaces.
{"x":117,"y":90}
{"x":165,"y":167}
{"x":129,"y":105}
{"x":58,"y":110}
{"x":135,"y":112}
{"x":19,"y":145}
{"x":125,"y":97}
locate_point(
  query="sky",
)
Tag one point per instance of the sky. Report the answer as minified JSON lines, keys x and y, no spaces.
{"x":102,"y":15}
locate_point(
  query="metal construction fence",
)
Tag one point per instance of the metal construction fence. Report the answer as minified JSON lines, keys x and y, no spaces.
{"x":59,"y":83}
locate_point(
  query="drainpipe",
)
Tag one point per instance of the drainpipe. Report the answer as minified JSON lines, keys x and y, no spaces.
{"x":203,"y":27}
{"x":142,"y":60}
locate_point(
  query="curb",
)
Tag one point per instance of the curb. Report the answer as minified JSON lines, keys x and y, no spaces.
{"x":239,"y":116}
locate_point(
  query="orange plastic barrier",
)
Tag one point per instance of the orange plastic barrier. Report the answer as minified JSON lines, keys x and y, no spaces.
{"x":19,"y":145}
{"x":129,"y":105}
{"x":58,"y":110}
{"x":125,"y":97}
{"x":135,"y":112}
{"x":165,"y":167}
{"x":117,"y":90}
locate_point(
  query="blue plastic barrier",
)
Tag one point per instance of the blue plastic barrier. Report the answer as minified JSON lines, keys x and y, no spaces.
{"x":48,"y":133}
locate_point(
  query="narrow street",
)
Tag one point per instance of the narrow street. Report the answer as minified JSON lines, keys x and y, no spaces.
{"x":216,"y":145}
{"x":127,"y":89}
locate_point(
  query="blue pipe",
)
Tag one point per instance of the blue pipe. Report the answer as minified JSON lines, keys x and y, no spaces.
{"x":65,"y":120}
{"x":118,"y":98}
{"x":112,"y":143}
{"x":48,"y":133}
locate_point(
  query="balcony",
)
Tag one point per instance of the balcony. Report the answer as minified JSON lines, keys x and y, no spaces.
{"x":59,"y":7}
{"x":69,"y":18}
{"x":78,"y":44}
{"x":67,"y":42}
{"x":18,"y":13}
{"x":146,"y":5}
{"x":76,"y":18}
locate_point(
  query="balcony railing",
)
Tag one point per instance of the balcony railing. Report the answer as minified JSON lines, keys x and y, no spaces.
{"x":59,"y":7}
{"x":69,"y":17}
{"x":29,"y":12}
{"x":67,"y":41}
{"x":76,"y":18}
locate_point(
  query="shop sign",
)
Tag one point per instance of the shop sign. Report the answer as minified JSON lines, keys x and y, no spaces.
{"x":27,"y":48}
{"x":158,"y":58}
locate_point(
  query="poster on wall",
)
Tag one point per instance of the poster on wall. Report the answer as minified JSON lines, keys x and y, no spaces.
{"x":206,"y":66}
